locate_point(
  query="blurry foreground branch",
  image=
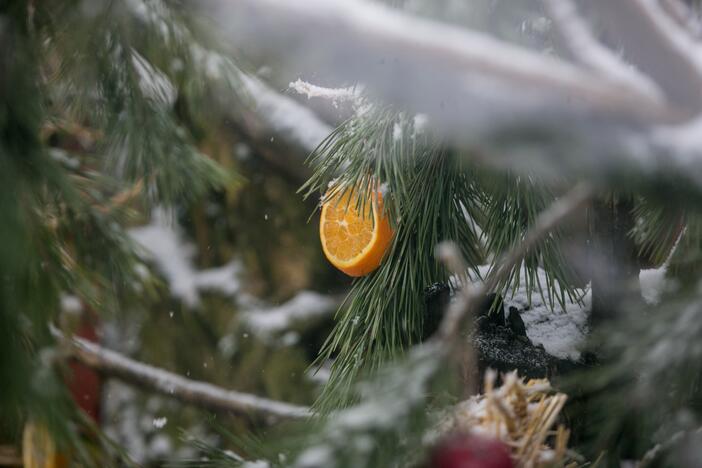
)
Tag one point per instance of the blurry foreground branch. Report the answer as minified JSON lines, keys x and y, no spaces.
{"x":615,"y":116}
{"x":283,"y":131}
{"x":197,"y":393}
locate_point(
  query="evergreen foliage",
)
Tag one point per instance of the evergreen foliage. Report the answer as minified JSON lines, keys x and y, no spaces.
{"x":96,"y":114}
{"x":103,"y":107}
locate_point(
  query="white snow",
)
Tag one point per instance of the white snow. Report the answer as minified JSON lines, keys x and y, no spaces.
{"x":561,"y":332}
{"x":159,"y":423}
{"x":306,"y":305}
{"x":396,"y":132}
{"x":286,"y":116}
{"x":420,"y":123}
{"x":652,"y":283}
{"x":71,"y":303}
{"x":152,"y":82}
{"x":336,"y":95}
{"x":256,"y":464}
{"x":165,"y":245}
{"x":351,"y":94}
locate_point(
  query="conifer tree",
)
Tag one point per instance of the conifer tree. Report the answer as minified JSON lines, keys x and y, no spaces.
{"x":104,"y":105}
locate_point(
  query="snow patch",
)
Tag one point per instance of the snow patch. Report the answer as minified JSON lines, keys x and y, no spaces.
{"x":420,"y":123}
{"x":652,"y":283}
{"x":164,"y":244}
{"x":351,"y":94}
{"x":286,"y":116}
{"x":396,"y":132}
{"x":336,"y":95}
{"x":152,"y":82}
{"x":159,"y":423}
{"x":561,"y":332}
{"x":306,"y":305}
{"x":71,"y":304}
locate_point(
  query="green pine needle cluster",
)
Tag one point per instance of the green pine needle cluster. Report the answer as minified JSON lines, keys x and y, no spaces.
{"x":430,"y":196}
{"x":100,"y":111}
{"x":429,"y":200}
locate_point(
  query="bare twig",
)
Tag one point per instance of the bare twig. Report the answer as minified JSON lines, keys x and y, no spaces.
{"x":587,"y":50}
{"x":173,"y":385}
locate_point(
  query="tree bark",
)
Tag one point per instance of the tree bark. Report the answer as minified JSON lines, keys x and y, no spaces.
{"x":614,"y":265}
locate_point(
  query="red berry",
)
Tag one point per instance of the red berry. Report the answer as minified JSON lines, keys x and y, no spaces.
{"x":468,"y":451}
{"x":85,"y":383}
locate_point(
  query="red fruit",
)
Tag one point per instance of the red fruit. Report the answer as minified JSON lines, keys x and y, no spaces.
{"x":468,"y":451}
{"x":84,"y":383}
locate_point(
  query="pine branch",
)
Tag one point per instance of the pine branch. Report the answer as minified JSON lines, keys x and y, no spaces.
{"x":428,"y":197}
{"x":285,"y":116}
{"x":282,"y":130}
{"x":512,"y":206}
{"x":461,"y":311}
{"x":194,"y":392}
{"x":392,"y":417}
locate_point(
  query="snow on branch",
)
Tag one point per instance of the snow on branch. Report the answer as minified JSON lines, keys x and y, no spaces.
{"x":586,"y":49}
{"x":657,"y":46}
{"x":493,"y":96}
{"x":336,"y":95}
{"x":682,"y":14}
{"x":305,"y":306}
{"x":285,"y":116}
{"x":173,"y":385}
{"x":424,"y":63}
{"x":165,"y":245}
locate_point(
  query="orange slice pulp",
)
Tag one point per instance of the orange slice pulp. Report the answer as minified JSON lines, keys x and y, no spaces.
{"x":352,"y":241}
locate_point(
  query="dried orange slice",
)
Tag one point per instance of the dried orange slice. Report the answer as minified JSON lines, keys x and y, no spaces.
{"x":39,"y":449}
{"x":353,"y":242}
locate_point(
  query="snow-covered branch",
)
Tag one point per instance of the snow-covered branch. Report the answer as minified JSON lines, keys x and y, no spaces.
{"x":424,"y":63}
{"x":173,"y":385}
{"x":494,"y":97}
{"x":266,"y":322}
{"x":285,"y":116}
{"x":657,"y":46}
{"x":578,"y":39}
